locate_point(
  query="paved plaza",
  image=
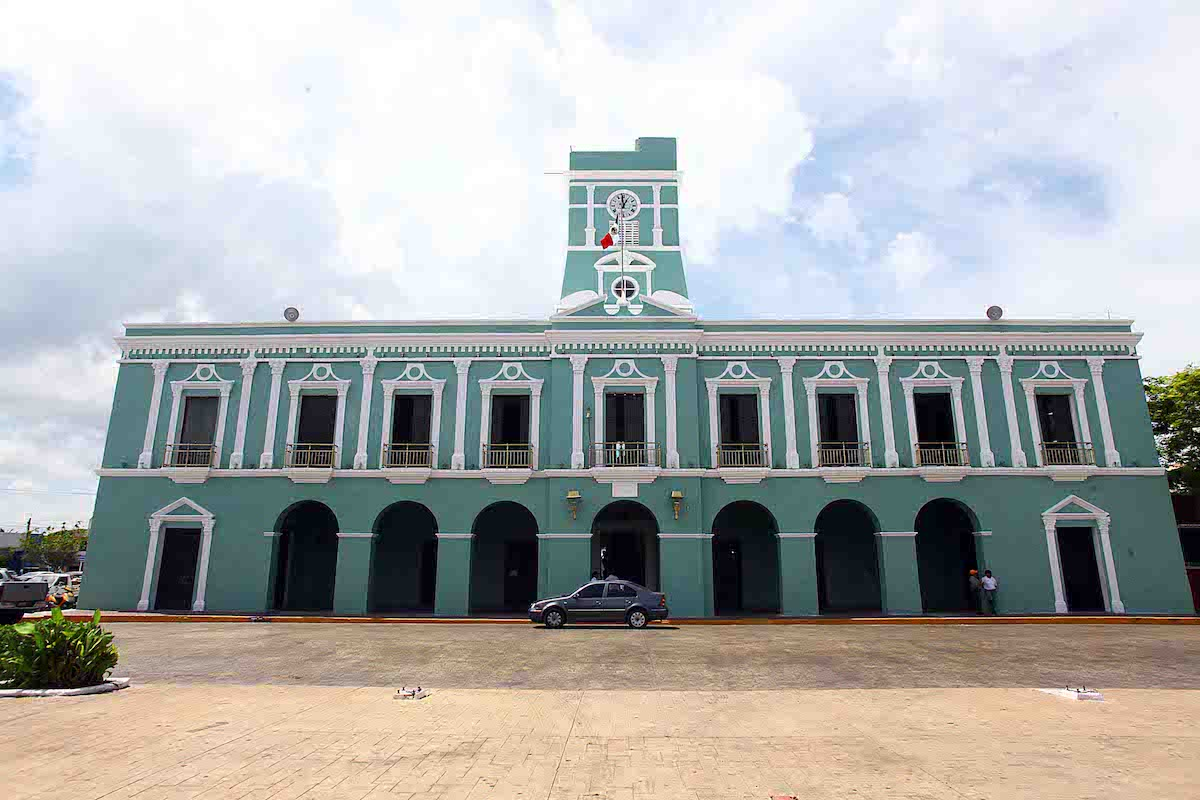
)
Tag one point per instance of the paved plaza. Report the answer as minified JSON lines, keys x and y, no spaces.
{"x":239,"y":711}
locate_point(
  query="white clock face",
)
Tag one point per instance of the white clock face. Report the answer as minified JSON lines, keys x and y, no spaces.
{"x":623,"y":204}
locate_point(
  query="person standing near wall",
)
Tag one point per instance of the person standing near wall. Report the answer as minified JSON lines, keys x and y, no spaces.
{"x":989,"y":592}
{"x":976,"y":590}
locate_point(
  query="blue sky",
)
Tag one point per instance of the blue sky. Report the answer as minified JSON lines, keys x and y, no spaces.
{"x":868,"y":159}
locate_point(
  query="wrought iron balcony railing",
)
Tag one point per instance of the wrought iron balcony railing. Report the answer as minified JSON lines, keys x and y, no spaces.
{"x":507,"y":456}
{"x":750,"y":454}
{"x":189,"y":455}
{"x":626,"y":454}
{"x":843,"y":454}
{"x":407,"y":454}
{"x":306,"y":455}
{"x":1061,"y":454}
{"x":942,"y":454}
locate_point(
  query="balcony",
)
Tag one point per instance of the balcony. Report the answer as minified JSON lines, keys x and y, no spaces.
{"x":401,"y":455}
{"x":942,"y":454}
{"x":189,"y":456}
{"x":751,"y":455}
{"x":1068,"y":454}
{"x":507,"y":456}
{"x":843,"y":454}
{"x":311,"y":456}
{"x":626,"y":454}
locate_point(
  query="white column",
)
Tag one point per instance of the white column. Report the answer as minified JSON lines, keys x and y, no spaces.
{"x":389,"y":394}
{"x":986,"y":457}
{"x":1110,"y":566}
{"x":714,"y":431}
{"x":1112,"y":458}
{"x":651,"y":436}
{"x":960,"y":423}
{"x":578,"y":364}
{"x":339,"y":425}
{"x":151,"y":554}
{"x":670,"y":365}
{"x":1085,"y":427}
{"x":146,"y":458}
{"x":485,"y":422}
{"x":202,"y":570}
{"x":266,"y":460}
{"x":1060,"y":600}
{"x":1035,"y":427}
{"x":658,"y":229}
{"x":249,"y":364}
{"x":173,"y":420}
{"x":910,"y":414}
{"x":764,"y":411}
{"x":293,"y":417}
{"x":1005,"y":361}
{"x":535,"y":425}
{"x":864,"y":420}
{"x":883,"y":365}
{"x":222,"y":417}
{"x":590,"y":230}
{"x":598,"y":423}
{"x":786,"y":365}
{"x":435,"y":427}
{"x":368,"y":364}
{"x":459,"y":459}
{"x":814,"y":431}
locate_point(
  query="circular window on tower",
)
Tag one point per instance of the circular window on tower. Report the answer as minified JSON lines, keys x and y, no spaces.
{"x":625,"y":289}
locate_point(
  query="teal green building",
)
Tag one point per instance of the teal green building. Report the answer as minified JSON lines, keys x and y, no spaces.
{"x":782,"y":467}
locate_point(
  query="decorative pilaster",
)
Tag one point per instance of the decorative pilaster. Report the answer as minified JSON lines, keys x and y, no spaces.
{"x":202,"y":570}
{"x":986,"y":457}
{"x":714,"y":432}
{"x":151,"y":556}
{"x":598,"y":422}
{"x":764,"y":414}
{"x":1060,"y":599}
{"x":485,"y":422}
{"x":1005,"y":362}
{"x":670,"y":366}
{"x":462,"y":367}
{"x":267,"y":459}
{"x":248,"y":364}
{"x":883,"y":365}
{"x":146,"y":458}
{"x":1110,"y":566}
{"x":786,"y":365}
{"x":590,"y":230}
{"x":658,"y":229}
{"x":911,"y":419}
{"x":222,"y":415}
{"x":1085,"y":427}
{"x":864,"y":420}
{"x":535,"y":426}
{"x":1112,"y":458}
{"x":368,"y":364}
{"x":814,"y":431}
{"x":578,"y":364}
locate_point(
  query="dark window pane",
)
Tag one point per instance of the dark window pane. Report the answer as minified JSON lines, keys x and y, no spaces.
{"x":624,"y":417}
{"x":1190,"y":539}
{"x":935,"y":417}
{"x":621,"y":590}
{"x":199,"y":420}
{"x":411,"y":418}
{"x":739,"y":418}
{"x":510,"y":419}
{"x":1054,"y":414}
{"x":318,"y":416}
{"x":592,"y":590}
{"x":839,"y":418}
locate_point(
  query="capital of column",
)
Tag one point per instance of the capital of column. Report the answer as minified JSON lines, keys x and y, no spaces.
{"x":248,"y":364}
{"x":578,"y":364}
{"x":670,"y":364}
{"x":786,"y":364}
{"x":883,"y":362}
{"x":277,"y":365}
{"x":1005,"y":361}
{"x":1095,"y":364}
{"x":155,"y":525}
{"x":368,"y":363}
{"x":975,"y":365}
{"x":160,"y":368}
{"x":1103,"y":524}
{"x":461,"y":365}
{"x":206,"y":527}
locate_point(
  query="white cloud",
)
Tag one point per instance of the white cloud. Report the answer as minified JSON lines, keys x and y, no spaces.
{"x":910,"y":258}
{"x":832,"y":220}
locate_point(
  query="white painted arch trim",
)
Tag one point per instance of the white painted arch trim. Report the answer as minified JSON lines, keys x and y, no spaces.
{"x":511,"y":376}
{"x":168,"y":514}
{"x":321,"y":379}
{"x":835,"y":375}
{"x":930,"y":375}
{"x":738,"y":375}
{"x":203,"y":379}
{"x":1100,"y":521}
{"x":417,"y":380}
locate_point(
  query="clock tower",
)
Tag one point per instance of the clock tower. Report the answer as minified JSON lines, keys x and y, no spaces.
{"x":623,"y":251}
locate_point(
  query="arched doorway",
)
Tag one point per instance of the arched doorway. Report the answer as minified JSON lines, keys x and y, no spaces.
{"x":306,"y":558}
{"x":745,"y":559}
{"x":625,"y":543}
{"x":504,"y":558}
{"x":847,"y":558}
{"x":404,"y":566}
{"x":945,"y":554}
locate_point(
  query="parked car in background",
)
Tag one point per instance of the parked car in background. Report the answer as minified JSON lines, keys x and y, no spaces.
{"x":21,"y":597}
{"x":611,"y":600}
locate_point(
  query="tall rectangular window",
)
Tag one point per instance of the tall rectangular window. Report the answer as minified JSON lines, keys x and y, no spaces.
{"x":411,"y":418}
{"x":625,"y":417}
{"x":318,"y":418}
{"x":739,"y":419}
{"x":510,"y":419}
{"x":935,"y":417}
{"x":199,"y":420}
{"x":1054,"y":416}
{"x":839,"y":417}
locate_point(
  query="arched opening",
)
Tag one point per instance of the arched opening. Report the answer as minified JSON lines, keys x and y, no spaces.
{"x":306,"y":558}
{"x":625,"y":543}
{"x":404,"y":566}
{"x":504,"y":558}
{"x":847,"y":558}
{"x":945,"y":555}
{"x":745,"y":559}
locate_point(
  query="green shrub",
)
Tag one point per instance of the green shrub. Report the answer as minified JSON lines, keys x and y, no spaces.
{"x":55,"y":653}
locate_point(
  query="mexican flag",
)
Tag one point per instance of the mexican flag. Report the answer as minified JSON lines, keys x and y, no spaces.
{"x":610,"y":238}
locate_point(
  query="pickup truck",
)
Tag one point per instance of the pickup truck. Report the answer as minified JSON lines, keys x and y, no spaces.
{"x":18,"y":598}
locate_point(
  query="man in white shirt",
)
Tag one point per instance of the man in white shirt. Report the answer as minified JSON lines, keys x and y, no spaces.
{"x":989,"y":592}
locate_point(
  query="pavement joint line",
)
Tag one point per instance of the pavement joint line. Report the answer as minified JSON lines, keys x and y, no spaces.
{"x":566,"y":744}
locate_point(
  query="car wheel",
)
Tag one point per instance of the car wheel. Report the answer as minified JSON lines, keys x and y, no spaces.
{"x":637,"y":618}
{"x":8,"y":617}
{"x":554,"y":618}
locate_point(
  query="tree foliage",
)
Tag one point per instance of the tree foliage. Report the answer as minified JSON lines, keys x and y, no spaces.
{"x":1174,"y":402}
{"x":56,"y":549}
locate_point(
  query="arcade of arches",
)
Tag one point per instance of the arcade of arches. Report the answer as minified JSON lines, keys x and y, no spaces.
{"x":846,"y":565}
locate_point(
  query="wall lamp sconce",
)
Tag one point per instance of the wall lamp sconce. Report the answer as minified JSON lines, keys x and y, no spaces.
{"x":676,"y":501}
{"x":573,"y":501}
